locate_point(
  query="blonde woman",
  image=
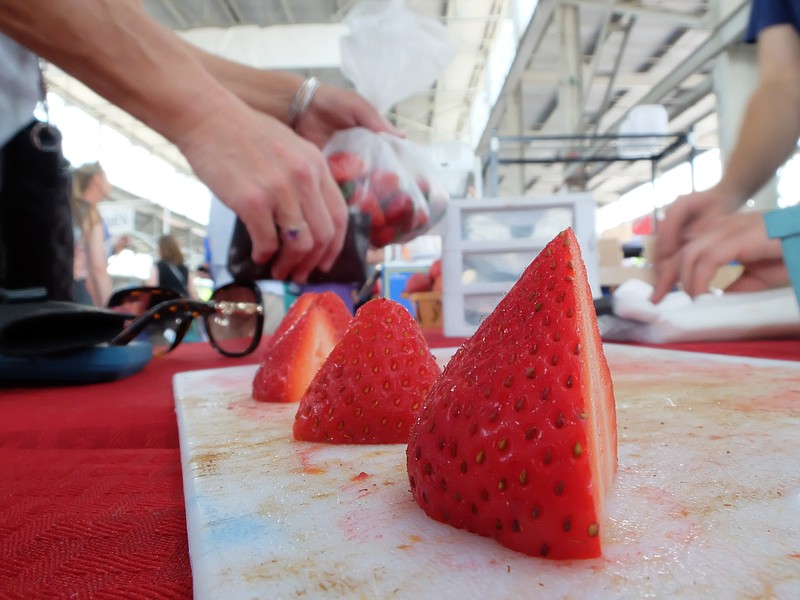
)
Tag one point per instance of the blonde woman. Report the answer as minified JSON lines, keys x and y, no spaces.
{"x":170,"y":270}
{"x":92,"y":283}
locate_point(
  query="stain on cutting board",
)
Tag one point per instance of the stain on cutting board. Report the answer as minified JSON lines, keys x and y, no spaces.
{"x":706,"y":503}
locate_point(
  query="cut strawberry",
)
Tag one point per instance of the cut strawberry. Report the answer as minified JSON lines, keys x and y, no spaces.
{"x":421,"y":219}
{"x":293,"y":358}
{"x":517,"y":440}
{"x":366,"y":201}
{"x":381,"y":236}
{"x":418,"y":282}
{"x":338,"y":313}
{"x":399,"y":211}
{"x":371,"y":386}
{"x":297,"y":308}
{"x":435,"y":270}
{"x":346,"y":166}
{"x":384,"y":184}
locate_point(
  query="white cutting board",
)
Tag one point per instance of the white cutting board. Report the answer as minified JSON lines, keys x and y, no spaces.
{"x":706,"y":503}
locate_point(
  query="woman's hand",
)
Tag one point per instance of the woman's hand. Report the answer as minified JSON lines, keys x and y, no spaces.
{"x":332,"y":109}
{"x":278,"y":184}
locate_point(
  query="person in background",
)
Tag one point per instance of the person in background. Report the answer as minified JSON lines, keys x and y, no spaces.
{"x":123,"y":242}
{"x":699,"y":233}
{"x":170,"y":271}
{"x":92,"y":283}
{"x":252,"y":136}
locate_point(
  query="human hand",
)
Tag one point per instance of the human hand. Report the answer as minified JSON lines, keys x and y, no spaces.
{"x":333,"y":109}
{"x":739,"y":237}
{"x":689,"y":217}
{"x":276,"y":182}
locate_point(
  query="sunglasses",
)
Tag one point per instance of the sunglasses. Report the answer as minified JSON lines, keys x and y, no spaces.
{"x":232,"y":319}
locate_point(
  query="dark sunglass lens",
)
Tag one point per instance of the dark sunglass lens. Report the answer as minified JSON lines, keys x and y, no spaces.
{"x":134,"y":303}
{"x":234,"y":324}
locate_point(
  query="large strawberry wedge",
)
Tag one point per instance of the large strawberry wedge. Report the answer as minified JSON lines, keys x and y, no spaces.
{"x":517,"y":439}
{"x":296,"y":352}
{"x":371,"y":386}
{"x":297,"y":308}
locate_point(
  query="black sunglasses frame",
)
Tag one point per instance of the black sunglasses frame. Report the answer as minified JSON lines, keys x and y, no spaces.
{"x":186,"y":310}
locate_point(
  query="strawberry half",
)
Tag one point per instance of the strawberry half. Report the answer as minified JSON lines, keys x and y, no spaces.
{"x":367,"y":202}
{"x":346,"y":166}
{"x":371,"y":386}
{"x":384,"y":184}
{"x":294,"y":356}
{"x":297,"y":308}
{"x":517,"y":440}
{"x":400,"y":211}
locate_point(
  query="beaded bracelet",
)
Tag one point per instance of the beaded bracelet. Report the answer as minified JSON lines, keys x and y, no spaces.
{"x":302,"y":99}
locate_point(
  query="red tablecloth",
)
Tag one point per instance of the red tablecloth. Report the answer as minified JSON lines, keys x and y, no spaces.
{"x":91,"y":497}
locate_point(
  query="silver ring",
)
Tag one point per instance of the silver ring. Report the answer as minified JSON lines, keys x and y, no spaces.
{"x":302,"y":99}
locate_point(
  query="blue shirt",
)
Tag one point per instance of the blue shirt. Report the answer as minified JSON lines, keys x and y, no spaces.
{"x":766,"y":13}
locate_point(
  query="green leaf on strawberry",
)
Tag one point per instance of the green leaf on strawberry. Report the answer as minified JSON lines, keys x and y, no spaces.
{"x":371,"y":386}
{"x":348,"y":188}
{"x":517,"y":439}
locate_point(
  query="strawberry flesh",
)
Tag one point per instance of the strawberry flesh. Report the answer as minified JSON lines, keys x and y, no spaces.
{"x":298,"y":350}
{"x":517,"y":439}
{"x":297,"y":308}
{"x":371,"y":386}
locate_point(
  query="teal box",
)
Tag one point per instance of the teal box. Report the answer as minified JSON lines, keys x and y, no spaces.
{"x":784,"y":224}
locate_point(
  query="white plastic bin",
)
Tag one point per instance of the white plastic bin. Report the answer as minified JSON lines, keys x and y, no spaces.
{"x":488,"y":243}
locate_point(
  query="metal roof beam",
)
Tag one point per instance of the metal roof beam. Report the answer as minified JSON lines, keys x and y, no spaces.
{"x":540,"y":21}
{"x":621,"y":80}
{"x":729,"y":31}
{"x":663,"y":16}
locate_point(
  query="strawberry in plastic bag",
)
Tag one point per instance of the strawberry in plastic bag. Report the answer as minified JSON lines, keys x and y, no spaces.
{"x":389,"y":179}
{"x":390,"y":53}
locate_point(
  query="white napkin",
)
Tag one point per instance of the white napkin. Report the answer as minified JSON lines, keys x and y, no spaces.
{"x":710,"y":317}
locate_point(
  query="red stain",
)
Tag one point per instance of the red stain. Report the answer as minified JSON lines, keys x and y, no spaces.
{"x":783,"y":402}
{"x":307,"y":465}
{"x":360,"y":477}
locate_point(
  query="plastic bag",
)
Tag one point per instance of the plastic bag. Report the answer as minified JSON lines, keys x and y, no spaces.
{"x":390,"y":53}
{"x":390,"y":180}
